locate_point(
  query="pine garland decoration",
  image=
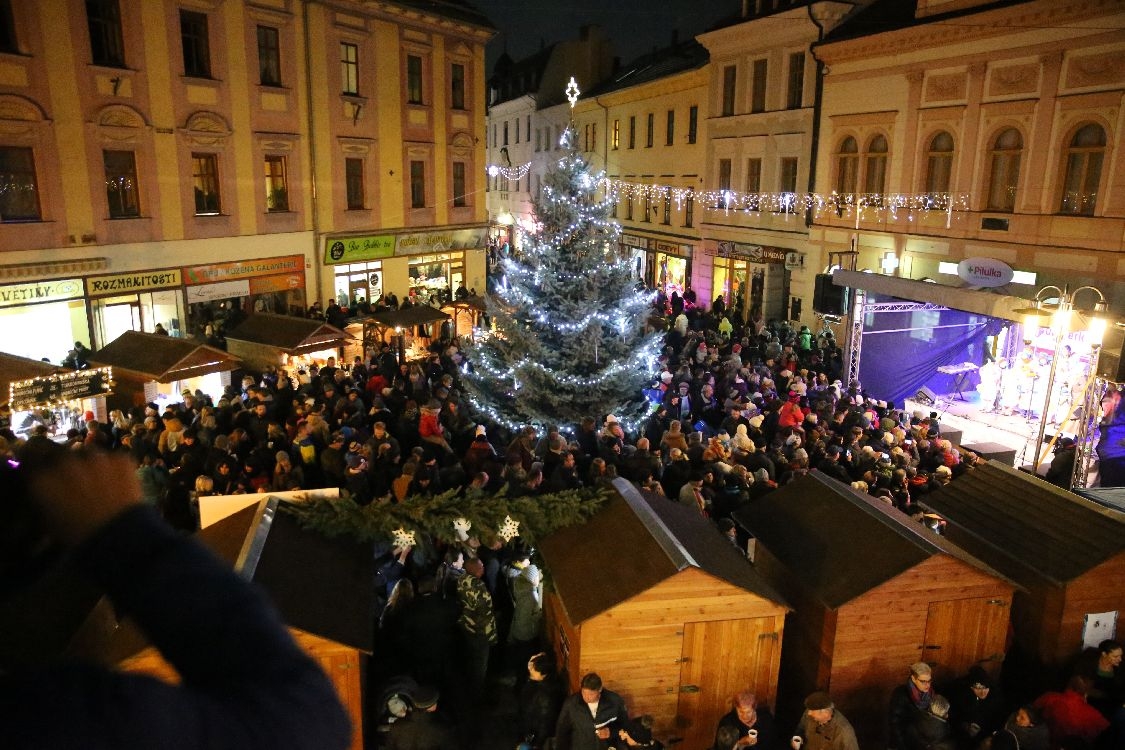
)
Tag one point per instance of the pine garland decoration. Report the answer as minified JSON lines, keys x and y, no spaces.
{"x":433,"y":516}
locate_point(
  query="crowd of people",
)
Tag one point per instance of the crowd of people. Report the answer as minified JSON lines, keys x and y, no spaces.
{"x":738,"y":410}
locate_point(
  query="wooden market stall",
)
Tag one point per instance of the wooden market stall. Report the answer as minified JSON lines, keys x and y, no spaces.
{"x":466,"y":313}
{"x":39,"y":392}
{"x":652,"y":597}
{"x":873,"y":593}
{"x":1067,"y":552}
{"x":306,"y":575}
{"x":264,"y":339}
{"x":148,"y":367}
{"x":397,"y":323}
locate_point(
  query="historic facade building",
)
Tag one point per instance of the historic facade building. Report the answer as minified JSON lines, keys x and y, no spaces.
{"x":166,"y":162}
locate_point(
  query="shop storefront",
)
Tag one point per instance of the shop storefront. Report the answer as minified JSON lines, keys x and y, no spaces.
{"x":223,"y":294}
{"x":426,"y":265}
{"x":43,"y":319}
{"x":752,"y":278}
{"x":671,"y":267}
{"x":135,"y":301}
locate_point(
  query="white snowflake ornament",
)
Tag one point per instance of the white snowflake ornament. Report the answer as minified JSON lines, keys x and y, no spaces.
{"x":461,"y":528}
{"x":509,"y":529}
{"x":404,"y":538}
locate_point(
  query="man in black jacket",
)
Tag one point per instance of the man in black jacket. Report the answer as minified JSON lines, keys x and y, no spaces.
{"x":590,"y":718}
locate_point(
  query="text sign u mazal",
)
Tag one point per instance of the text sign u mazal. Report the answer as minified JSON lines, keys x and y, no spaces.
{"x":355,"y":249}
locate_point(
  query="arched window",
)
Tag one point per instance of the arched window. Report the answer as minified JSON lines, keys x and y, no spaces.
{"x":875,"y":165}
{"x":847,"y":166}
{"x":1083,"y":171}
{"x":1004,"y":173}
{"x":939,"y":163}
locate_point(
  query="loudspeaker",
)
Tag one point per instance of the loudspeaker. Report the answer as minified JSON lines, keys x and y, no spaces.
{"x":1110,"y":365}
{"x":829,"y":299}
{"x":925,"y":396}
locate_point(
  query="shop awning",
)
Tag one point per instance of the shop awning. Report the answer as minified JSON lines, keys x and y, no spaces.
{"x":162,"y":358}
{"x":289,"y":334}
{"x":969,"y":300}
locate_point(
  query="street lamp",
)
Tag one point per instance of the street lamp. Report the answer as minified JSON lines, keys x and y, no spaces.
{"x":1060,"y":311}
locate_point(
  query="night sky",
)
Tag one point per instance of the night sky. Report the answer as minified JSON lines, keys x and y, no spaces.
{"x":634,"y":26}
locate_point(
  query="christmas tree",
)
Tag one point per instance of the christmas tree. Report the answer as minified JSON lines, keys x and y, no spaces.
{"x":569,"y":338}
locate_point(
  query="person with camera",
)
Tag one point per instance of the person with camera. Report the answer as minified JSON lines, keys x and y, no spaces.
{"x":244,"y":682}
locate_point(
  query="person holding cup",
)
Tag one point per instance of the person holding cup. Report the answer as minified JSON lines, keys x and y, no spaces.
{"x":590,"y":719}
{"x":822,"y":727}
{"x":753,"y":723}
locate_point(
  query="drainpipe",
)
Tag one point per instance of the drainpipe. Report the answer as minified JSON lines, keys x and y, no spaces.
{"x":818,"y":96}
{"x":312,"y":149}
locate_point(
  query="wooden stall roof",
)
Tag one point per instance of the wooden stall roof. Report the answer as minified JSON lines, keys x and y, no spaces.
{"x":1022,"y":520}
{"x":305,"y":574}
{"x":838,"y":542}
{"x":14,"y":368}
{"x":164,"y":359}
{"x":476,"y":303}
{"x":635,"y":543}
{"x":290,"y":334}
{"x":415,"y":315}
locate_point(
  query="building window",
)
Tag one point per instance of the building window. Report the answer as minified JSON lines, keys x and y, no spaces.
{"x":1083,"y":171}
{"x":730,"y":79}
{"x":527,"y":128}
{"x":875,"y":165}
{"x":939,"y":163}
{"x":787,"y":175}
{"x":693,"y":123}
{"x":1004,"y":172}
{"x":795,"y":90}
{"x":9,"y":40}
{"x":667,"y":206}
{"x":414,"y":79}
{"x":505,"y":133}
{"x":648,"y":207}
{"x":417,"y":184}
{"x":205,"y":184}
{"x":459,"y":198}
{"x":650,"y":126}
{"x":616,"y":134}
{"x":632,"y":132}
{"x":724,"y":198}
{"x":670,"y":137}
{"x":629,"y":207}
{"x":103,"y":18}
{"x":121,"y":184}
{"x":269,"y":56}
{"x":277,"y":185}
{"x":197,"y":50}
{"x":847,"y":167}
{"x":753,"y":175}
{"x":689,"y":209}
{"x":353,"y":181}
{"x":19,"y":201}
{"x":758,"y":86}
{"x":457,"y":86}
{"x":349,"y":68}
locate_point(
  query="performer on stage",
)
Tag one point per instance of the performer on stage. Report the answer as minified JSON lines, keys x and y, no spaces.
{"x":1027,"y":375}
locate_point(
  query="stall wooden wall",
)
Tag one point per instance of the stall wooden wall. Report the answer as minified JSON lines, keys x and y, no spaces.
{"x":680,"y":650}
{"x":1100,"y":589}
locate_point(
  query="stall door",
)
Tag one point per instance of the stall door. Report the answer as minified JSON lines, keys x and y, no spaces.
{"x":965,"y":632}
{"x":718,"y":660}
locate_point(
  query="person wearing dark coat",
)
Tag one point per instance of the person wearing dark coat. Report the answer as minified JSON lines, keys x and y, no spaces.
{"x":424,"y":728}
{"x":751,"y":722}
{"x":540,"y":700}
{"x":590,"y":718}
{"x":930,"y":729}
{"x":977,"y":709}
{"x":908,"y":702}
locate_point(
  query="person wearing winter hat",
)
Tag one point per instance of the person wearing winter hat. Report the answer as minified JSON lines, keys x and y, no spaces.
{"x":424,"y":726}
{"x":822,"y":727}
